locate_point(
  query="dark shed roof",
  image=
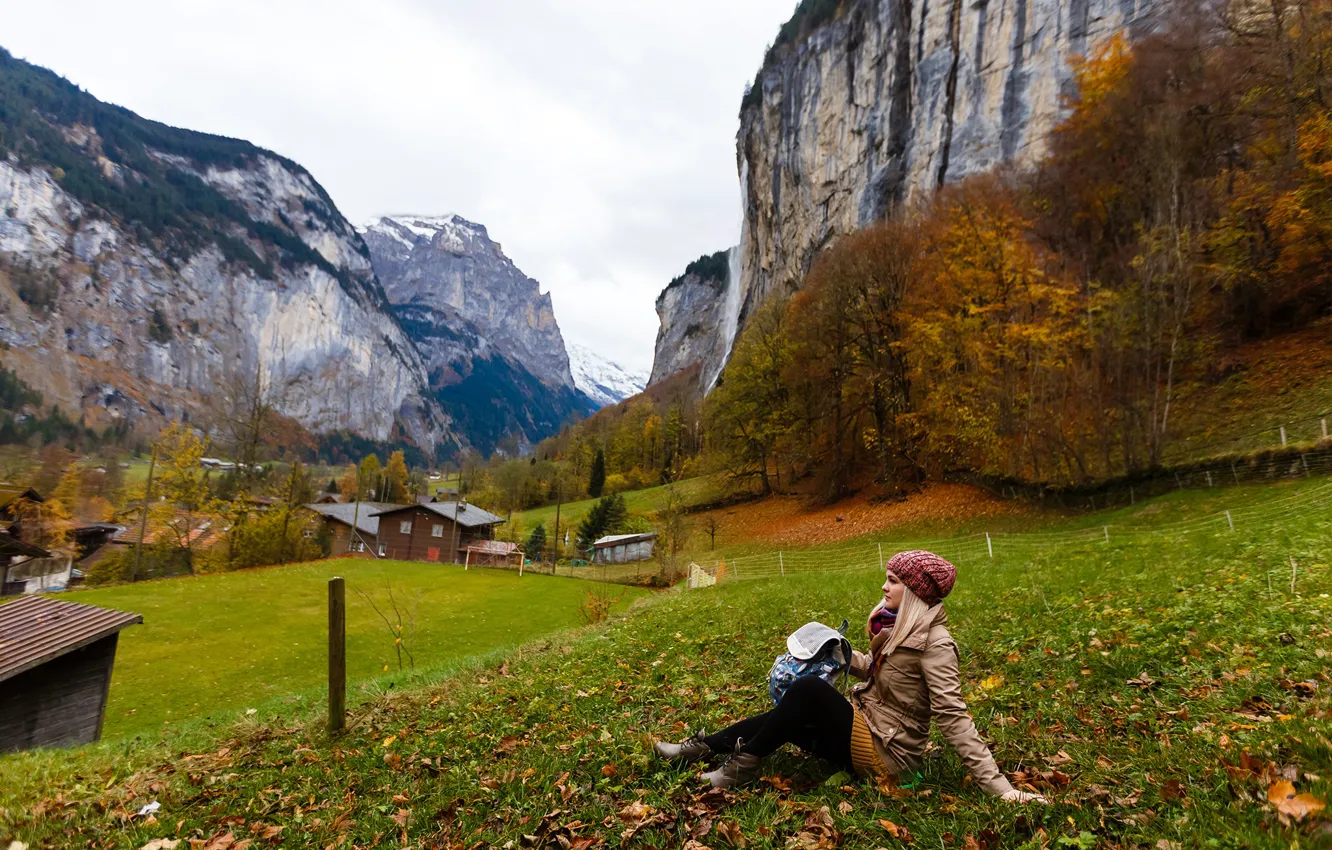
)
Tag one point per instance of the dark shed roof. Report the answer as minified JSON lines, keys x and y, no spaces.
{"x":469,"y":515}
{"x":35,"y":630}
{"x":12,"y":547}
{"x":623,"y":539}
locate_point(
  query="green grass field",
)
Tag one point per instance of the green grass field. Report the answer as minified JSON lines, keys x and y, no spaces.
{"x":1156,"y":687}
{"x":690,"y":491}
{"x":214,"y":646}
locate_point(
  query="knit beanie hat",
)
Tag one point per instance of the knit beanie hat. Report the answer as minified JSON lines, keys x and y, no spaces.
{"x":925,"y":573}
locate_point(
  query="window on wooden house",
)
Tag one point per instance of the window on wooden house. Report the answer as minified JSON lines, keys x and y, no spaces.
{"x":437,"y":530}
{"x":383,"y":547}
{"x":405,"y":526}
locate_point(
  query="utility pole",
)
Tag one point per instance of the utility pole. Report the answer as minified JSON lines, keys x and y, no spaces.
{"x":559,"y":500}
{"x":143,"y":520}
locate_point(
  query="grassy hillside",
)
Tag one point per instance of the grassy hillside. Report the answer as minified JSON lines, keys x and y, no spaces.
{"x":1157,"y":687}
{"x":647,"y":501}
{"x":213,"y":646}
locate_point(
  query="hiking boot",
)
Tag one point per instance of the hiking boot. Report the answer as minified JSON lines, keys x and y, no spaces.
{"x":693,"y":749}
{"x":739,"y":769}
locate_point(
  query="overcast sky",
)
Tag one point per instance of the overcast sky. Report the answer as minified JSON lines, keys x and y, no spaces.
{"x":595,"y":139}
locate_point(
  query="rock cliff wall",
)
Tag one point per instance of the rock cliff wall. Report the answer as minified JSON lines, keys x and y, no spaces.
{"x":103,"y":321}
{"x":450,"y":264}
{"x":493,"y":351}
{"x":888,"y":100}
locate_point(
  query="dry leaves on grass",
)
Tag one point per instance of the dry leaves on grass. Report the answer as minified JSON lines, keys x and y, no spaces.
{"x":818,"y":833}
{"x":1283,"y":798}
{"x":789,"y":520}
{"x":901,"y":833}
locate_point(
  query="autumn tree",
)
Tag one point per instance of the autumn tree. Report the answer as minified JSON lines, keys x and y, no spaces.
{"x":184,"y":500}
{"x":370,"y":478}
{"x":748,"y":415}
{"x":395,"y":478}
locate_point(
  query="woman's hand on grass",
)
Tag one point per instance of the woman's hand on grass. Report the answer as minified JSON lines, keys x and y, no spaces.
{"x":1013,"y":795}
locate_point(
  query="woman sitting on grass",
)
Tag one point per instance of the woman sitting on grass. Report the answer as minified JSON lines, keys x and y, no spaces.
{"x":909,"y":676}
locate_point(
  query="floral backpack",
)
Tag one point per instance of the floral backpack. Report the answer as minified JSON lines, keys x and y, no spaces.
{"x":812,"y":650}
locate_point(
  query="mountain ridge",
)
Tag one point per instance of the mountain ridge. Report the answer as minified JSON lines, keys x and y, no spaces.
{"x":143,"y":266}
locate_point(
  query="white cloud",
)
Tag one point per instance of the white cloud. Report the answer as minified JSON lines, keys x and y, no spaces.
{"x":594,"y":138}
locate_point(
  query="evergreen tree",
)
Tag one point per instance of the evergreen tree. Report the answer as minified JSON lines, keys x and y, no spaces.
{"x":606,"y":517}
{"x":597,"y":481}
{"x":536,"y":543}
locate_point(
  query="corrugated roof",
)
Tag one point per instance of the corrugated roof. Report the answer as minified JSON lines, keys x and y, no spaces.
{"x":470,"y":515}
{"x":492,"y":547}
{"x":621,"y":539}
{"x":344,"y":513}
{"x":34,"y":630}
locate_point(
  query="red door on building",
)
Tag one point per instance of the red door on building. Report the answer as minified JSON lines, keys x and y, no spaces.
{"x":432,"y":554}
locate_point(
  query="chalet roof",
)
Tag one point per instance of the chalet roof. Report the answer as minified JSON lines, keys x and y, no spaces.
{"x":202,"y":529}
{"x":492,"y":547}
{"x":467,"y":515}
{"x":35,"y":630}
{"x":366,"y":517}
{"x":12,"y":492}
{"x":12,"y":547}
{"x":623,"y":539}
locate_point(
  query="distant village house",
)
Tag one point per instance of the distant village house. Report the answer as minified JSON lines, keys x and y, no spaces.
{"x":624,"y":548}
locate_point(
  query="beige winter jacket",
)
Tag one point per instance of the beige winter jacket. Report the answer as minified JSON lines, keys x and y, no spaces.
{"x":916,"y":683}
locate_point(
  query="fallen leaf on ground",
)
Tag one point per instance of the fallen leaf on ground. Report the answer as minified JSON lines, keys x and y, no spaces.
{"x":1298,"y":806}
{"x":901,"y":833}
{"x":730,"y":830}
{"x":155,"y":844}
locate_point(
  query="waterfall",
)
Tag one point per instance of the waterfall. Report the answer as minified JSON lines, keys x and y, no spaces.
{"x":731,"y":309}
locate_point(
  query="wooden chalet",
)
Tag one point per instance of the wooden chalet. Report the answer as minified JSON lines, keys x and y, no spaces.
{"x":55,"y":671}
{"x":353,"y":527}
{"x":434,"y":532}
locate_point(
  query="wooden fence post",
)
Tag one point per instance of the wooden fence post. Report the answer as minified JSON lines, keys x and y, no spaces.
{"x":781,"y":564}
{"x":337,"y":655}
{"x":1324,"y":427}
{"x":1283,"y":436}
{"x":881,"y":557}
{"x":988,"y":544}
{"x":1230,"y":520}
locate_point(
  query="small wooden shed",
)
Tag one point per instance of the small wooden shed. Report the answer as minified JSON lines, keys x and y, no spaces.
{"x":623,"y":548}
{"x":55,"y":671}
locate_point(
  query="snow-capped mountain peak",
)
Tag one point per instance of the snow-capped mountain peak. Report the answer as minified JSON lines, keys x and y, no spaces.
{"x":455,"y":232}
{"x":604,"y":381}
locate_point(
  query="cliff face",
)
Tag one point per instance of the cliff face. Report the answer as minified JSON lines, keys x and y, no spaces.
{"x":142,"y":267}
{"x":493,"y":351}
{"x":698,"y":314}
{"x":890,"y":99}
{"x":449,"y":264}
{"x":691,"y":312}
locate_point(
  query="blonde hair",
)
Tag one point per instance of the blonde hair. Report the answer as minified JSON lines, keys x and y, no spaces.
{"x":909,"y":614}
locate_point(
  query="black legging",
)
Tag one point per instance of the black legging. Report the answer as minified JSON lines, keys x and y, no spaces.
{"x":812,"y":715}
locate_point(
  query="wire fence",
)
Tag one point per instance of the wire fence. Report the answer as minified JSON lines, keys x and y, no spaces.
{"x":1261,"y":466}
{"x":982,"y":546}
